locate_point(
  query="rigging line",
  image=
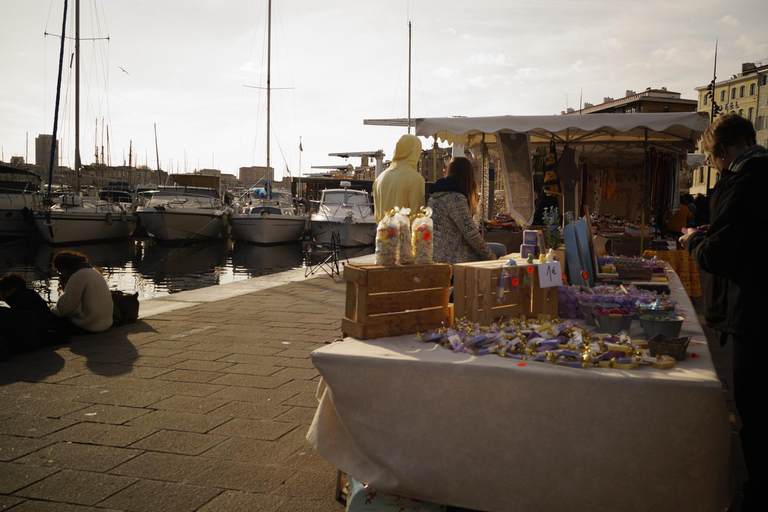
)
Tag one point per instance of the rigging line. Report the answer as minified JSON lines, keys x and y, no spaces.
{"x":399,"y":75}
{"x":245,"y":77}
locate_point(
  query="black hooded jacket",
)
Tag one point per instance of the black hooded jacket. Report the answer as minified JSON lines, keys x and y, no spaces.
{"x":732,"y":252}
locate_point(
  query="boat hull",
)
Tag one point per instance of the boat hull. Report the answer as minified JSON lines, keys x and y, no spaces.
{"x":267,"y":229}
{"x":181,"y":224}
{"x":16,"y":218}
{"x":73,"y":227}
{"x":351,"y":234}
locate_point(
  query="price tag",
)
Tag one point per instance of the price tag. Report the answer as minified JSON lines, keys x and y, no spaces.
{"x":550,"y":274}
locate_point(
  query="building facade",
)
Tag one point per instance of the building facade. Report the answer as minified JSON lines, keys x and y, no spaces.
{"x":648,"y":101}
{"x":250,"y":176}
{"x":745,"y":94}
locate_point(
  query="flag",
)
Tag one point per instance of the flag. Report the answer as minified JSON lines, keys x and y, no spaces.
{"x":551,"y":185}
{"x":300,"y":148}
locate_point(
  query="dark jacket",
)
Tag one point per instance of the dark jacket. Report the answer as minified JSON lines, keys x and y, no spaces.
{"x":731,"y":254}
{"x":28,"y":300}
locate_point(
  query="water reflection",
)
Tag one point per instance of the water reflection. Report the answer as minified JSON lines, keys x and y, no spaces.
{"x":150,"y":268}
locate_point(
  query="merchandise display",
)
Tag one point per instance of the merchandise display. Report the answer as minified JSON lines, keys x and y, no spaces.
{"x":561,"y":343}
{"x":421,"y":235}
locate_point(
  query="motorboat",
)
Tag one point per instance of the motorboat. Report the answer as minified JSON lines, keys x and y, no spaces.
{"x":268,"y":217}
{"x":347,"y":211}
{"x":73,"y":219}
{"x":179,"y":213}
{"x":17,"y":201}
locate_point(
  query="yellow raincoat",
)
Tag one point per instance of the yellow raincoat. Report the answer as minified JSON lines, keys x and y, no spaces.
{"x":400,"y":184}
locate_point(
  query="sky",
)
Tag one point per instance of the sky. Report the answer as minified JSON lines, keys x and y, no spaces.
{"x":195,"y":70}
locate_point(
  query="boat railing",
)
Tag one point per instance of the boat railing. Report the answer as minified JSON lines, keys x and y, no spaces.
{"x":185,"y":201}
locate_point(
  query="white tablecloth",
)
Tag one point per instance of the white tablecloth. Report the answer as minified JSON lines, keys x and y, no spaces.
{"x":483,"y":432}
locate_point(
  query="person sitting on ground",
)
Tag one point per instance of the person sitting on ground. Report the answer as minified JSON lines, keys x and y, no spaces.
{"x":24,"y":324}
{"x":400,"y":184}
{"x":85,"y":306}
{"x":454,"y":201}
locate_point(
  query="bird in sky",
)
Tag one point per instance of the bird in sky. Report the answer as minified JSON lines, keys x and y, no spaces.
{"x":124,"y":71}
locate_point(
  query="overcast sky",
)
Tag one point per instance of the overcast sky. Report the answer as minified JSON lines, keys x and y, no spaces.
{"x":191,"y":67}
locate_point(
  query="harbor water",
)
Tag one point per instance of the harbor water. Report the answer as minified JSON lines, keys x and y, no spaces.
{"x":154,"y":269}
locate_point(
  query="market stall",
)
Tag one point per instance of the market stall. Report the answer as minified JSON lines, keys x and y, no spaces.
{"x":624,"y":166}
{"x":496,"y":433}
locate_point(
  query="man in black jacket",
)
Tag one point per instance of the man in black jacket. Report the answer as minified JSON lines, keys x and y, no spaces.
{"x":24,"y":324}
{"x":730,"y":252}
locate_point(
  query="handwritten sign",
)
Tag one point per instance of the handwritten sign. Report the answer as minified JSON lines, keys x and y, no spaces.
{"x":550,"y":274}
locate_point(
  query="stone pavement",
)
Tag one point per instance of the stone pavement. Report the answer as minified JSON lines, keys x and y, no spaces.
{"x":203,"y":404}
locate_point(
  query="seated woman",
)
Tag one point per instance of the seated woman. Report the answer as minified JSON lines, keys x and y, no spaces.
{"x":454,"y":201}
{"x":24,"y":324}
{"x":85,"y":306}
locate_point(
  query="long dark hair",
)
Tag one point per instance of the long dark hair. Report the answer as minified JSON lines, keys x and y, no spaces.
{"x":461,"y":172}
{"x":71,"y":262}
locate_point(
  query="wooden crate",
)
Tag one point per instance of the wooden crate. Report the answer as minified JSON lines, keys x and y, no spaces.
{"x":475,"y":294}
{"x":390,"y":301}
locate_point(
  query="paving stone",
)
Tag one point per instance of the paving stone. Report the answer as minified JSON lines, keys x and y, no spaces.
{"x":191,"y":376}
{"x":54,"y":506}
{"x":17,"y":476}
{"x":176,"y":420}
{"x":125,"y":397}
{"x":189,"y":389}
{"x":298,"y":373}
{"x":13,"y":447}
{"x":244,"y":477}
{"x":251,"y":381}
{"x":101,"y":433}
{"x":256,"y":411}
{"x":184,"y":443}
{"x":30,"y":426}
{"x":79,"y":456}
{"x":257,"y":451}
{"x":299,"y":386}
{"x":243,"y":394}
{"x":204,"y":366}
{"x":298,"y":415}
{"x":312,"y":484}
{"x":201,"y":405}
{"x":257,"y":429}
{"x":7,"y":502}
{"x":306,"y":505}
{"x":243,"y":357}
{"x":164,"y":466}
{"x":303,"y":399}
{"x":150,"y":496}
{"x":160,"y":362}
{"x":79,"y":487}
{"x":114,"y":414}
{"x":46,"y":408}
{"x":236,"y":500}
{"x":252,"y":369}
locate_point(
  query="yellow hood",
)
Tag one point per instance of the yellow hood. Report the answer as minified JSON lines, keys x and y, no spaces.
{"x":407,"y":152}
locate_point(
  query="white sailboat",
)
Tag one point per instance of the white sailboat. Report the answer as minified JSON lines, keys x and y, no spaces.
{"x":17,"y":201}
{"x":268,"y":216}
{"x":73,"y":218}
{"x":179,"y":213}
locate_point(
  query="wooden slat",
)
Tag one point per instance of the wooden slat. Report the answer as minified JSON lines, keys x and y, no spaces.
{"x":354,"y":329}
{"x":473,"y":293}
{"x":459,"y":291}
{"x":401,"y":301}
{"x":354,"y":274}
{"x":485,"y":287}
{"x":350,"y":308}
{"x":399,"y":279}
{"x":396,"y":324}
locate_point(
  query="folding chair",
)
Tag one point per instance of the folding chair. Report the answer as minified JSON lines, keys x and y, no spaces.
{"x":324,"y":256}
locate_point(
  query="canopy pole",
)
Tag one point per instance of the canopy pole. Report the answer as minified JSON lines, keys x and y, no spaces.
{"x":646,"y":198}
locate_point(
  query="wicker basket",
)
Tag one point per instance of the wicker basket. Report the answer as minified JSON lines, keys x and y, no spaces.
{"x":589,"y":307}
{"x":668,"y":346}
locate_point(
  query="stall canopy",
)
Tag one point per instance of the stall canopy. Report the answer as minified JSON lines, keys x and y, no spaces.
{"x":680,"y":130}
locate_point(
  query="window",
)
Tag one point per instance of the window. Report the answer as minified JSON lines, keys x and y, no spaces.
{"x":752,"y":89}
{"x":706,"y":99}
{"x":733,"y":93}
{"x":701,"y":175}
{"x":742,"y":90}
{"x":751,"y":114}
{"x":741,"y":112}
{"x":722,"y":95}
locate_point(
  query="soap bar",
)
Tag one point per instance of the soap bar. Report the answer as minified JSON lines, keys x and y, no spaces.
{"x":530,"y":237}
{"x":528,"y":250}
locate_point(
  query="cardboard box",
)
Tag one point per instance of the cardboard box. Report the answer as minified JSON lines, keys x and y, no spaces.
{"x":391,"y":301}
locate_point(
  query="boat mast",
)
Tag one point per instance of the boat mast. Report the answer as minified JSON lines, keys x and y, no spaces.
{"x":269,"y":72}
{"x":409,"y":76}
{"x":56,"y":107}
{"x":77,"y":96}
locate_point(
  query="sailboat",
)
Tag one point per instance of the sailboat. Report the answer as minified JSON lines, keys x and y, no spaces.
{"x":74,"y":218}
{"x":267,"y":216}
{"x":18,"y":198}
